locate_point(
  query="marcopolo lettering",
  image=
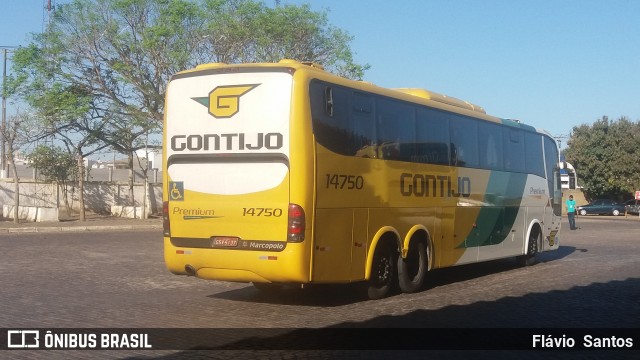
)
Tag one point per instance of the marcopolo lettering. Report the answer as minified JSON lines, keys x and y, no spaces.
{"x":238,"y":141}
{"x":434,"y":185}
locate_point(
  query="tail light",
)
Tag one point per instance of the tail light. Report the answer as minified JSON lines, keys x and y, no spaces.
{"x":295,"y":231}
{"x":166,"y":225}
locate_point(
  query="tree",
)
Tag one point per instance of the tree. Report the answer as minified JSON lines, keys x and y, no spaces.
{"x":101,"y":69}
{"x":18,"y":131}
{"x":249,"y":31}
{"x":55,"y":164}
{"x":605,"y":156}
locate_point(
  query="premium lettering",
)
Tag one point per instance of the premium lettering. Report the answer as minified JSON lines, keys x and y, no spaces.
{"x":193,"y":212}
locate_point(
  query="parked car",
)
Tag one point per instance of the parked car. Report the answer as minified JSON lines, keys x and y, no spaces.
{"x":632,"y":207}
{"x":602,"y":207}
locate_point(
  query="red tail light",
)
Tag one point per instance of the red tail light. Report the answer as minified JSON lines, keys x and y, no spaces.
{"x":295,"y":231}
{"x":166,"y":225}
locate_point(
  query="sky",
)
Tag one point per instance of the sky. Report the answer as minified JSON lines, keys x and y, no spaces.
{"x":553,"y":64}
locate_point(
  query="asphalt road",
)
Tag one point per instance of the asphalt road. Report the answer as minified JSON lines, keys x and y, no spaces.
{"x":117,"y":280}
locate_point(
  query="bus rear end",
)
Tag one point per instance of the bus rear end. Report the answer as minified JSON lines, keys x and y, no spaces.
{"x":227,"y":209}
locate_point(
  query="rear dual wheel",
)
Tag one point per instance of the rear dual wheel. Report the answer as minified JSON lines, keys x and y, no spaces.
{"x":390,"y":270}
{"x":412,"y":270}
{"x":383,"y":272}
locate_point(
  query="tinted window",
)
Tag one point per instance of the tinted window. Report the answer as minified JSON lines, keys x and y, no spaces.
{"x":355,"y":123}
{"x":513,"y":149}
{"x":345,"y":129}
{"x":551,"y":159}
{"x":533,"y":158}
{"x":432,"y":137}
{"x":490,"y":146}
{"x":395,"y":130}
{"x":464,"y":141}
{"x":361,"y":124}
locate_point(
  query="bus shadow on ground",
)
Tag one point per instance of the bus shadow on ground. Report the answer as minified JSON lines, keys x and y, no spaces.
{"x":344,"y":294}
{"x":314,"y":295}
{"x":601,"y":309}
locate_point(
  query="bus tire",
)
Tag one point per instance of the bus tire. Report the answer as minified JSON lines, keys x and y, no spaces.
{"x":383,"y":272}
{"x":529,"y":258}
{"x":412,"y":270}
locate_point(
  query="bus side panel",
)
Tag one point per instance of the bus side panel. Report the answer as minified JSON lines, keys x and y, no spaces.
{"x":360,"y":243}
{"x":332,"y":246}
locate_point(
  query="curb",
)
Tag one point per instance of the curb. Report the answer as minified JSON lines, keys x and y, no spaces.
{"x":80,"y":228}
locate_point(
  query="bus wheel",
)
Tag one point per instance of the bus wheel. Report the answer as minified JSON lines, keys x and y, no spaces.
{"x":413,"y":269}
{"x":530,"y":258}
{"x":383,"y":272}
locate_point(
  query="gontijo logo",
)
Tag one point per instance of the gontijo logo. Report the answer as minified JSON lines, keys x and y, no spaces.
{"x":224,"y":101}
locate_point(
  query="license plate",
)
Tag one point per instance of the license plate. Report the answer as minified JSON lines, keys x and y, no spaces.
{"x":224,"y":241}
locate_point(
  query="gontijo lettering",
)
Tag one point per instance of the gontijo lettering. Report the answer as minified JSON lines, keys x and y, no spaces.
{"x":433,"y":185}
{"x":238,"y":141}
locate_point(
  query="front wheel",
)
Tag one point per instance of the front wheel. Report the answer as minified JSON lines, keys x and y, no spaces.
{"x":413,"y":269}
{"x":583,"y":212}
{"x":532,"y":250}
{"x":616,"y":212}
{"x":383,"y":274}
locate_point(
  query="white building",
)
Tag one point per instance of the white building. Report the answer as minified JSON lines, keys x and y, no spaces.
{"x":155,"y":157}
{"x":568,"y":176}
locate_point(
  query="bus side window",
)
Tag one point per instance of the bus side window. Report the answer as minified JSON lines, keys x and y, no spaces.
{"x":328,"y":101}
{"x":432,"y":137}
{"x":454,"y":155}
{"x":464,"y":136}
{"x":514,"y":158}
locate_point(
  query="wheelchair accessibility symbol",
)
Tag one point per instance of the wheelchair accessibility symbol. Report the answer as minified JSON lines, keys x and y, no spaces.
{"x":176,"y":190}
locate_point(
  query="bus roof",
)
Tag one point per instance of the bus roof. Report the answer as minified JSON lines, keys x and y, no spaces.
{"x":432,"y":98}
{"x":445,"y":99}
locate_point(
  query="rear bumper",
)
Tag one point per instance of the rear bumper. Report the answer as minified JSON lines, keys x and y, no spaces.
{"x":289,"y":265}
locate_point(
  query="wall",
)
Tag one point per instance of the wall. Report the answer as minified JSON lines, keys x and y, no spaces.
{"x":99,"y":195}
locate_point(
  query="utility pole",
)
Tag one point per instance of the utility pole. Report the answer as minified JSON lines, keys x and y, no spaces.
{"x":4,"y":171}
{"x":560,"y":138}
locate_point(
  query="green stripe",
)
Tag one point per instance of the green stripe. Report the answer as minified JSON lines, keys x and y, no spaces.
{"x":198,"y":217}
{"x":501,"y":205}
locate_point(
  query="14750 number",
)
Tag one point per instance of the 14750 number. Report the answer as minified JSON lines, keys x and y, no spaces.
{"x":267,"y":212}
{"x":349,"y":182}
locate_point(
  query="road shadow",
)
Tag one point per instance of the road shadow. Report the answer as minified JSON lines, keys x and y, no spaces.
{"x":344,"y":294}
{"x":600,"y":309}
{"x":310,"y":295}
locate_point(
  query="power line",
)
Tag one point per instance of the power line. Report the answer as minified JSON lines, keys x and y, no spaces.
{"x":560,"y":138}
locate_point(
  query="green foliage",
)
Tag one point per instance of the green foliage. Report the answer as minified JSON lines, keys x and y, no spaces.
{"x":54,"y":163}
{"x":605,"y":156}
{"x":244,"y":31}
{"x":97,"y":77}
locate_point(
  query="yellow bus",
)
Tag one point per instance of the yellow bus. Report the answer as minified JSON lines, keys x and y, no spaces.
{"x":282,"y":173}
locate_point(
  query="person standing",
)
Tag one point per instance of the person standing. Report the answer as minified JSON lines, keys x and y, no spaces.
{"x":571,"y":212}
